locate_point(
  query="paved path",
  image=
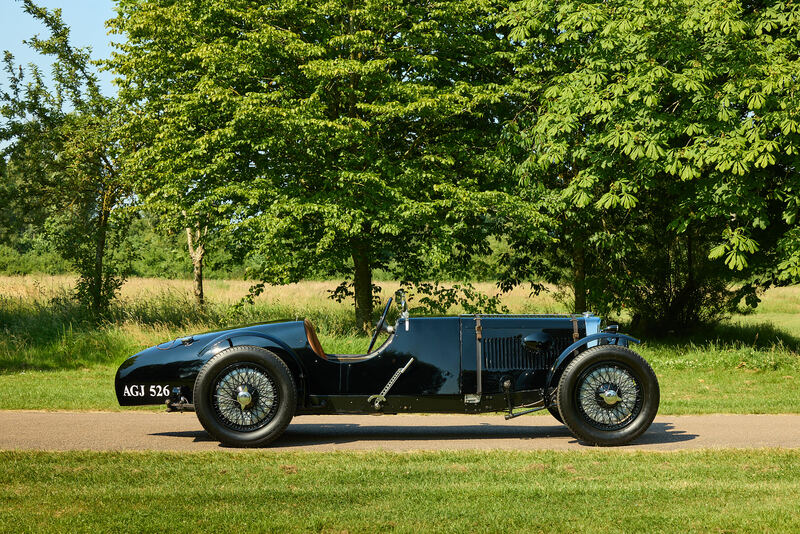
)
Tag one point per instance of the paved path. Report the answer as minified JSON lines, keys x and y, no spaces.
{"x":182,"y":432}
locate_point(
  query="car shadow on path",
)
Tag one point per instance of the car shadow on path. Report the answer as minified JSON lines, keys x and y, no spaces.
{"x":309,"y":435}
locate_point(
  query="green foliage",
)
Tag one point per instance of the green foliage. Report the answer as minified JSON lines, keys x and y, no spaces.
{"x":641,"y":153}
{"x":338,"y":139}
{"x":439,"y":299}
{"x":159,"y":254}
{"x":36,"y":259}
{"x":147,"y":251}
{"x":60,"y":157}
{"x":660,"y":123}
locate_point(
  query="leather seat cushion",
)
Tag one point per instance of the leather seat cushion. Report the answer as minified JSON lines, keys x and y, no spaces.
{"x":313,"y":340}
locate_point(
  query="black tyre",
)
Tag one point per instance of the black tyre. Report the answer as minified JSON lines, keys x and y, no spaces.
{"x":608,"y":395}
{"x":245,"y":396}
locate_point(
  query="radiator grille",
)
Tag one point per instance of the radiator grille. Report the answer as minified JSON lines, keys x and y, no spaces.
{"x":511,"y":353}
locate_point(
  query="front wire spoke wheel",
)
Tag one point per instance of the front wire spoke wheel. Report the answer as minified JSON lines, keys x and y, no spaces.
{"x":244,"y":397}
{"x":609,"y":396}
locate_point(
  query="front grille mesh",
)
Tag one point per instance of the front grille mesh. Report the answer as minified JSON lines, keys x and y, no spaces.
{"x":500,"y":353}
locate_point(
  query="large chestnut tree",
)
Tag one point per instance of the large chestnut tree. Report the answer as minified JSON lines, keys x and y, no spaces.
{"x":668,"y":133}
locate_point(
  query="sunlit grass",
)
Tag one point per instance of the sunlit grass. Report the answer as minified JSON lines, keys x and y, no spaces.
{"x":466,"y":491}
{"x":304,"y":295}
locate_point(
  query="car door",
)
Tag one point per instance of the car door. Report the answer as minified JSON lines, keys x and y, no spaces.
{"x":433,"y":342}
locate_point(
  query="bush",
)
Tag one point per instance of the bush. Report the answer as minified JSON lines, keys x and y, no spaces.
{"x":14,"y":262}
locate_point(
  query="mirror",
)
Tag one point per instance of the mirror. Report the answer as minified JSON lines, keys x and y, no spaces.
{"x":400,"y":298}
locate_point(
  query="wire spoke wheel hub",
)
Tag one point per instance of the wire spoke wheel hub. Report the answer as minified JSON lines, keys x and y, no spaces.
{"x":244,"y":397}
{"x":609,"y":396}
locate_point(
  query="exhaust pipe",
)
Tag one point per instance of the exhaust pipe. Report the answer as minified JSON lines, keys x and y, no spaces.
{"x":181,"y":405}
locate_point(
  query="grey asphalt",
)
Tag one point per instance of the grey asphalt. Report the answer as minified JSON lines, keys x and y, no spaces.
{"x":111,"y":431}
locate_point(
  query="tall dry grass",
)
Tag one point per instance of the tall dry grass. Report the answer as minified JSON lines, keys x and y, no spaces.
{"x":302,"y":295}
{"x":42,"y":327}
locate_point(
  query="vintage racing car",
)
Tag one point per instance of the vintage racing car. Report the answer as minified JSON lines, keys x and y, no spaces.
{"x":246,"y":384}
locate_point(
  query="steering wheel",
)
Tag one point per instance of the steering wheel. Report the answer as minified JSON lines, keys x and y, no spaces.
{"x":380,"y":324}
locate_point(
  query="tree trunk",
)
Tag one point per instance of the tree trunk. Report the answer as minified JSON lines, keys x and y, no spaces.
{"x":197,"y":251}
{"x":197,"y":267}
{"x":98,"y":300}
{"x":362,"y":286}
{"x":579,"y":277}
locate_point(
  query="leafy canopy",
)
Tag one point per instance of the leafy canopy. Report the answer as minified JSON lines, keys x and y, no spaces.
{"x":684,"y":105}
{"x":336,"y":137}
{"x":62,"y":153}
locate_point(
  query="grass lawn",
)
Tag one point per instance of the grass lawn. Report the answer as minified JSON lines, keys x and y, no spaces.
{"x":720,"y":491}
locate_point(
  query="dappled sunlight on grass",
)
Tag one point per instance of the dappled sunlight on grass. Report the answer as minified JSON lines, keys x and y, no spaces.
{"x":785,"y":323}
{"x":780,"y":300}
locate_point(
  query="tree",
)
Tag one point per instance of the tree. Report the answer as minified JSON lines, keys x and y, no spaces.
{"x":13,"y":214}
{"x":673,"y":125}
{"x":60,"y":144}
{"x":178,"y":149}
{"x":340,"y":138}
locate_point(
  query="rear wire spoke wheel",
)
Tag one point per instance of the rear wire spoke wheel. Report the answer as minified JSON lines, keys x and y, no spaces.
{"x":245,"y":396}
{"x":608,"y":395}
